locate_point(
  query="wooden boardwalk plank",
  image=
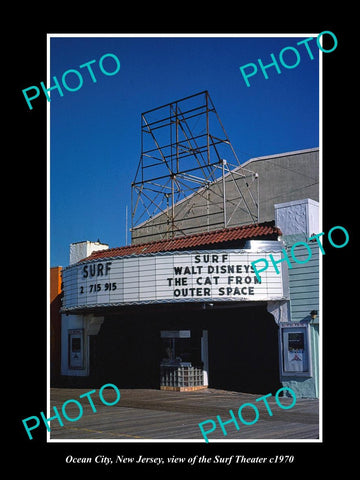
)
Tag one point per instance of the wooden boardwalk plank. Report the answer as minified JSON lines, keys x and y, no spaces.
{"x":155,"y":414}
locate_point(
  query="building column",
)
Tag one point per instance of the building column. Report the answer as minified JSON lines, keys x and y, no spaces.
{"x":75,"y":345}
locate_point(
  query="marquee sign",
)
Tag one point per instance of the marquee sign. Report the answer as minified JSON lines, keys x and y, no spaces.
{"x":225,"y":275}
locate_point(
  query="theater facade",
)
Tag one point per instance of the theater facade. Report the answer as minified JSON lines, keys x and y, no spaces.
{"x":189,"y":313}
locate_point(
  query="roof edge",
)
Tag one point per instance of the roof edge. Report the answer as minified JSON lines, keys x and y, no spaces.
{"x":120,"y":251}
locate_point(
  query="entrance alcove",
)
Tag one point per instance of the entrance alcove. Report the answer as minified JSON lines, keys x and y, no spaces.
{"x":243,"y":350}
{"x":241,"y":342}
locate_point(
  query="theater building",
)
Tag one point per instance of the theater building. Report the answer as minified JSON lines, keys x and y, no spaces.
{"x":189,"y":312}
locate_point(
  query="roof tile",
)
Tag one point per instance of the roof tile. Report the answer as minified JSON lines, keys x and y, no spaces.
{"x":266,"y":230}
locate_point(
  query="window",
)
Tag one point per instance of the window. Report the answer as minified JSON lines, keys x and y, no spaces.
{"x":179,"y":347}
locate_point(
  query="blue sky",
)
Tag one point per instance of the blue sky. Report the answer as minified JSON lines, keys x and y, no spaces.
{"x":95,"y":131}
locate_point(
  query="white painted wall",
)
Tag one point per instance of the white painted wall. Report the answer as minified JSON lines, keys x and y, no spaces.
{"x":90,"y":324}
{"x":298,"y":216}
{"x":81,"y":250}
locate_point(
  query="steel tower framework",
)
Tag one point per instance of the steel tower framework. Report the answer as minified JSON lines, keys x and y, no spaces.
{"x":186,"y":151}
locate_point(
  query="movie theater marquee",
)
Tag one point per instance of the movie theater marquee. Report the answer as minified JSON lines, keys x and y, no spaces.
{"x":171,"y":277}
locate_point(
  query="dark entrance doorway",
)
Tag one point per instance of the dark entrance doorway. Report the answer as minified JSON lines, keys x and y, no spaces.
{"x":242,"y":346}
{"x":126,"y":352}
{"x":243,"y":350}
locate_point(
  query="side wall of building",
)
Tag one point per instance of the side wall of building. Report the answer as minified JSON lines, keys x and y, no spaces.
{"x":298,"y":221}
{"x":280,"y":178}
{"x":55,"y":321}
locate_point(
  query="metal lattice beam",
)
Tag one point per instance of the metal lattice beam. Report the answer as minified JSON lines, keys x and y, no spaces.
{"x":185,"y":151}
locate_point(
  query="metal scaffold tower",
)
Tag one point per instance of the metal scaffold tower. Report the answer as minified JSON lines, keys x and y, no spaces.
{"x":185,"y":151}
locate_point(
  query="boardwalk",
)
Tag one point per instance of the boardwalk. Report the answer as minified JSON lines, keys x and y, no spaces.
{"x":142,"y":415}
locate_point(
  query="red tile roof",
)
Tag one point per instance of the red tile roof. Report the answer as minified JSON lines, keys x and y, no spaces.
{"x":265,"y":231}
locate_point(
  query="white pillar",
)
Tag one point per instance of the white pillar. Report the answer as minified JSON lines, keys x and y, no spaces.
{"x":205,"y":357}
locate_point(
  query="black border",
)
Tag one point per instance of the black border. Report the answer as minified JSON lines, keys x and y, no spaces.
{"x":28,"y":168}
